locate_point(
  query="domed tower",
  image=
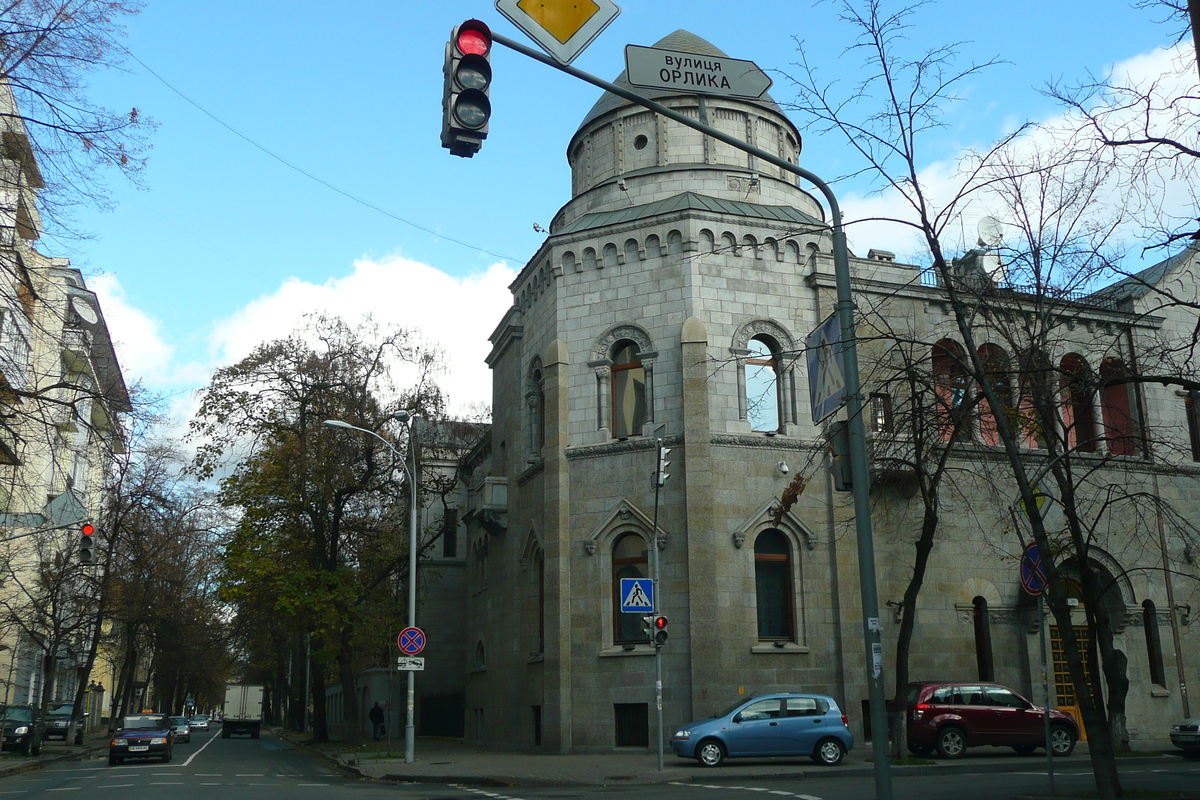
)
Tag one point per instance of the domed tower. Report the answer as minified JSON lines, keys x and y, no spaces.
{"x":668,"y":303}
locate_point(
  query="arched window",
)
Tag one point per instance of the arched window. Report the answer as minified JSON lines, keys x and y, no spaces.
{"x":1158,"y":675}
{"x":540,"y":576}
{"x":1078,"y":416}
{"x":1116,"y":409}
{"x":950,"y":389}
{"x":610,"y":255}
{"x":628,"y":561}
{"x":995,"y":361}
{"x":762,"y":384}
{"x":631,"y":251}
{"x":674,"y":242}
{"x":983,"y":640}
{"x":535,"y":400}
{"x":628,"y":391}
{"x":773,"y":587}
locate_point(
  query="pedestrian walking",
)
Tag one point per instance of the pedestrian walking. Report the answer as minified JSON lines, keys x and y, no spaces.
{"x":376,"y":717}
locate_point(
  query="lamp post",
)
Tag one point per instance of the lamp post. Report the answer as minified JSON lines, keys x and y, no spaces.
{"x":411,"y":419}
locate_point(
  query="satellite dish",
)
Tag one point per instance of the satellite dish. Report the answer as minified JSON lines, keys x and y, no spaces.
{"x":85,"y":311}
{"x":990,"y":233}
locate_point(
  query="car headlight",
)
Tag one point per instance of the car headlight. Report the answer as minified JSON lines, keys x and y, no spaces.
{"x":21,"y":731}
{"x":158,"y":740}
{"x":119,"y":742}
{"x":1174,"y":729}
{"x":682,"y":734}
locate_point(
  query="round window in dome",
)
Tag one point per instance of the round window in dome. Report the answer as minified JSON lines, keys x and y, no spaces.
{"x":640,"y":141}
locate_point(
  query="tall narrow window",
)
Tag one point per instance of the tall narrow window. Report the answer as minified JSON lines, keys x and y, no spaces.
{"x":1158,"y":675}
{"x":995,"y":361}
{"x":628,"y":561}
{"x":950,"y":390}
{"x":628,"y":391}
{"x":881,"y":412}
{"x":983,"y":640}
{"x":450,"y":533}
{"x":1078,"y":416}
{"x":535,"y":399}
{"x":773,"y":587}
{"x":1116,"y":409}
{"x":541,"y":602}
{"x":762,"y":385}
{"x":1192,"y":409}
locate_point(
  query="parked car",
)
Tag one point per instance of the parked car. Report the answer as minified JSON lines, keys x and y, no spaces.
{"x":199,"y":722}
{"x":950,"y":717}
{"x":783,"y":724}
{"x":22,"y":728}
{"x":182,"y":728}
{"x":1186,"y":735}
{"x":142,"y":736}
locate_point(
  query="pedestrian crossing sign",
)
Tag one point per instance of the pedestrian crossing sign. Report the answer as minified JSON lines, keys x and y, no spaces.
{"x":637,"y":595}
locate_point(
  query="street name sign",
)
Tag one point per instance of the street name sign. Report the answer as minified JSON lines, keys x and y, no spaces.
{"x":656,"y":68}
{"x":826,"y":376}
{"x":410,"y":664}
{"x":563,"y":28}
{"x":411,"y":641}
{"x":637,"y":595}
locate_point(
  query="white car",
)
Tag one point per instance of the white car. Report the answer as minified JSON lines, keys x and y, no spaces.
{"x":198,"y":722}
{"x":1186,"y":735}
{"x":182,"y":728}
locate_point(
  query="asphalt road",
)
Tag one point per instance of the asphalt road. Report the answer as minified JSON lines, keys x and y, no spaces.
{"x":269,"y":768}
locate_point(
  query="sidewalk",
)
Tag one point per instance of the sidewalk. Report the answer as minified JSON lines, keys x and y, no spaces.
{"x":451,"y":761}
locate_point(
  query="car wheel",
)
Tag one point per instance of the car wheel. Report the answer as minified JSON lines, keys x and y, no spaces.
{"x":920,"y":749}
{"x":829,"y":752}
{"x":1062,"y":740}
{"x":113,"y":761}
{"x":167,"y":755}
{"x":27,"y":747}
{"x":710,"y":753}
{"x":1024,"y":749}
{"x":224,"y":734}
{"x":951,"y":742}
{"x":35,"y":749}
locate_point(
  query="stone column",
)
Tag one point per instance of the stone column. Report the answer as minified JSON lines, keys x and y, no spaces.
{"x":699,"y":538}
{"x":556,"y":707}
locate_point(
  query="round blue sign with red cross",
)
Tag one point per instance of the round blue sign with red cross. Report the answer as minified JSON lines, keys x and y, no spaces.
{"x":1032,"y":576}
{"x":411,"y":641}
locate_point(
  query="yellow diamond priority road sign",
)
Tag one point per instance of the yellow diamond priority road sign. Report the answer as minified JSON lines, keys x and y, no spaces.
{"x":563,"y":28}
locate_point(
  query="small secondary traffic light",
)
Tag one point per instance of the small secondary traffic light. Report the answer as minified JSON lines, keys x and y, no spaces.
{"x":466,"y":107}
{"x":661,"y":474}
{"x":659,"y":636}
{"x":87,"y":544}
{"x":839,"y":465}
{"x":648,"y":627}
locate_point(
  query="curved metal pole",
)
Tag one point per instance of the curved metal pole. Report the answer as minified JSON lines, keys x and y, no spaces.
{"x":409,"y":725}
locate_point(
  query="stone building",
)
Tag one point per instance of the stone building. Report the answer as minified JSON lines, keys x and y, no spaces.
{"x":670,"y":302}
{"x":61,"y":396}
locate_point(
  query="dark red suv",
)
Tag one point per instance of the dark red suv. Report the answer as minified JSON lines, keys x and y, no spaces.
{"x":950,"y":717}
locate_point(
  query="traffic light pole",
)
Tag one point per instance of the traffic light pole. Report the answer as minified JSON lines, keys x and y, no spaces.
{"x":659,"y":479}
{"x":854,"y":401}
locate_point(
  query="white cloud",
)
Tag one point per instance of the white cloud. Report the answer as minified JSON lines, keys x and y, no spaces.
{"x":456,"y":315}
{"x":137,"y":337}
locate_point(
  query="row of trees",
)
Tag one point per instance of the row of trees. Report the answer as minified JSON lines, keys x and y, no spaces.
{"x":1069,"y":196}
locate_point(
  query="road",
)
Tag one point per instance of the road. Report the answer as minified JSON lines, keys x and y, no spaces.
{"x":271,"y":769}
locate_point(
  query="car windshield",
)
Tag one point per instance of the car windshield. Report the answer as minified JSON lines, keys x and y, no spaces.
{"x":142,"y":722}
{"x":726,"y":712}
{"x":200,"y":718}
{"x":177,"y":721}
{"x":18,"y":714}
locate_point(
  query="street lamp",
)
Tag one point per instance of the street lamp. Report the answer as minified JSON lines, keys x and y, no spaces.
{"x":411,"y":419}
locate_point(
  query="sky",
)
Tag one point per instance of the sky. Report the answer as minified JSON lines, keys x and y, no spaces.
{"x":296,"y":165}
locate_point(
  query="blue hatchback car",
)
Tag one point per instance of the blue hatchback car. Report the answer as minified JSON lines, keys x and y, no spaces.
{"x":783,"y":724}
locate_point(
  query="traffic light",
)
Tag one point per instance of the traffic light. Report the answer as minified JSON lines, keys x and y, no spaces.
{"x":465,"y":104}
{"x":659,"y":635}
{"x":661,"y":475}
{"x":87,"y":544}
{"x":839,"y":466}
{"x":648,"y":627}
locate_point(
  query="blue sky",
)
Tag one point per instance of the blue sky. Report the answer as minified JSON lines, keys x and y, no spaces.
{"x":227,"y":244}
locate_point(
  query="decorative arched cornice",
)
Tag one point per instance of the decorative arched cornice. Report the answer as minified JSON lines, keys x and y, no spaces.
{"x":763,"y":519}
{"x":743,"y":335}
{"x":618,"y":333}
{"x":625,"y":518}
{"x":530,"y":549}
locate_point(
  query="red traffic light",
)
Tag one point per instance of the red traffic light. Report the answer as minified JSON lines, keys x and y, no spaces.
{"x":87,"y":529}
{"x":474,"y":37}
{"x":660,"y":623}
